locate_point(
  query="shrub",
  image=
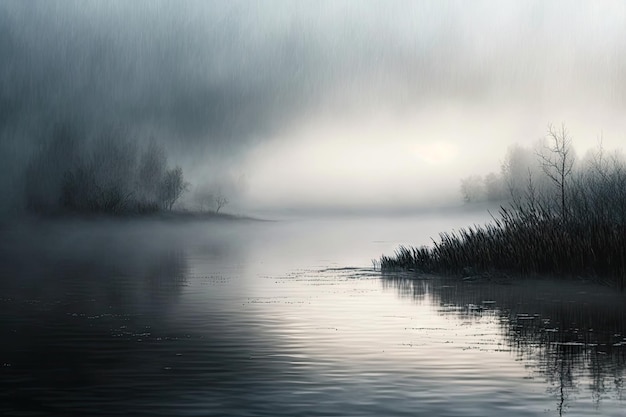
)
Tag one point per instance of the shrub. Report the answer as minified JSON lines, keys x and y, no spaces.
{"x":112,"y":176}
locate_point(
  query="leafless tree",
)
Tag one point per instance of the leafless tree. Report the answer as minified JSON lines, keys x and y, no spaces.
{"x":557,"y":161}
{"x":173,"y":187}
{"x":220,"y":201}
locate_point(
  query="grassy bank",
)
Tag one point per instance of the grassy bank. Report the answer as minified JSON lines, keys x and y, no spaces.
{"x":570,"y":222}
{"x":518,"y":242}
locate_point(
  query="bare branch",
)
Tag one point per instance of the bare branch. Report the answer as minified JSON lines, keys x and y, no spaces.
{"x":557,"y":161}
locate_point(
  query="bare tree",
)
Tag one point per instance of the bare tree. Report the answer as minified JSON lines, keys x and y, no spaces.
{"x":220,"y":201}
{"x":172,"y":187}
{"x":557,"y":161}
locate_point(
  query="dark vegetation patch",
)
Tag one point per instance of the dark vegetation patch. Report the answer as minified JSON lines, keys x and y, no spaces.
{"x":569,"y":219}
{"x":110,"y":174}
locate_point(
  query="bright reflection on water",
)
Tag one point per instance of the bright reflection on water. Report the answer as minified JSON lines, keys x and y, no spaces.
{"x":289,"y":318}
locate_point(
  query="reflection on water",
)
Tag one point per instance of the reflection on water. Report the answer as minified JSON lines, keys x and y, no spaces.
{"x":287,"y":318}
{"x":573,"y":334}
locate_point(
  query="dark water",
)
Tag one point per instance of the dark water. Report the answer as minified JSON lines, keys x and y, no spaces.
{"x":289,"y":318}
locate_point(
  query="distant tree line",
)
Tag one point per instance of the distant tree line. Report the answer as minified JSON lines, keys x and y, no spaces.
{"x":550,"y":179}
{"x":110,"y":174}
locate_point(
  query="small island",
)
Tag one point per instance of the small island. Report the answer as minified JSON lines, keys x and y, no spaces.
{"x":110,"y":174}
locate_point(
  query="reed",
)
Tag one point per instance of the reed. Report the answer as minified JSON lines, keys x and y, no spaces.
{"x":537,"y":236}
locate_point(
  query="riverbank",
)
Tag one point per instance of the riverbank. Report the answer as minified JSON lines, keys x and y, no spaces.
{"x":166,"y":216}
{"x":522,"y":242}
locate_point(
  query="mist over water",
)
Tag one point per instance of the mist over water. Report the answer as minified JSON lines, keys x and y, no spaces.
{"x":289,"y":318}
{"x":139,"y":139}
{"x":379,"y":104}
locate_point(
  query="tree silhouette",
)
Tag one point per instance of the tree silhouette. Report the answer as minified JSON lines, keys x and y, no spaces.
{"x":557,"y":162}
{"x":172,"y":187}
{"x":220,"y":201}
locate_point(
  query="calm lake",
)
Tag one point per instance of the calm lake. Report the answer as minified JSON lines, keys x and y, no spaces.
{"x":290,"y":318}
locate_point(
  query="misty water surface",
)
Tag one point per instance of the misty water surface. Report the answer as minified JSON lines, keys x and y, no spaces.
{"x":289,"y":318}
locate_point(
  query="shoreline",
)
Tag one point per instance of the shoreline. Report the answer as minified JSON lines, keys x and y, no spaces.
{"x":167,"y":217}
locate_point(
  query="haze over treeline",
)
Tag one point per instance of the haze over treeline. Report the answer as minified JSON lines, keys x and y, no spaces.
{"x":379,"y":104}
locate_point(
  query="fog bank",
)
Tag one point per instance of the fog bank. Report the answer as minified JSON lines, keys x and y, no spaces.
{"x":284,"y":104}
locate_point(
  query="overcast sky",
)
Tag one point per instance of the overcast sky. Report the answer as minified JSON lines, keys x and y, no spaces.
{"x":378,"y":103}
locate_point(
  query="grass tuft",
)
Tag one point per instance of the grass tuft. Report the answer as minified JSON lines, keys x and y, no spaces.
{"x":522,"y":242}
